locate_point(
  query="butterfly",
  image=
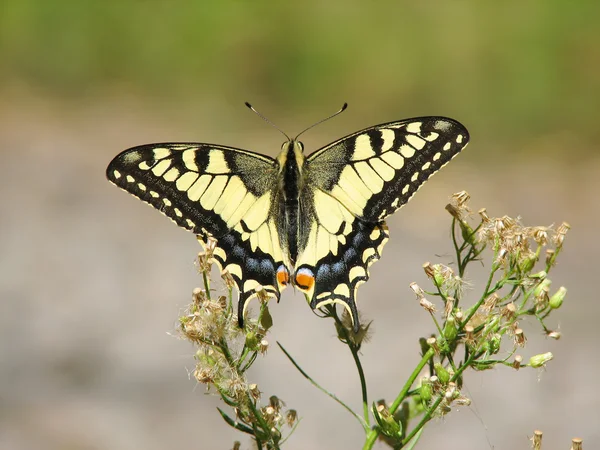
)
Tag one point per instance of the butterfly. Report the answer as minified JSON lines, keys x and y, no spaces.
{"x":315,"y":222}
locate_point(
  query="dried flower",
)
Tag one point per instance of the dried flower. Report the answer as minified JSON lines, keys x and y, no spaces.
{"x":519,"y":337}
{"x":517,"y":361}
{"x":561,"y":232}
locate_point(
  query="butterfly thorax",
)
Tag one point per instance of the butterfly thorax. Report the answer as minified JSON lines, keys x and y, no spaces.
{"x":291,"y":161}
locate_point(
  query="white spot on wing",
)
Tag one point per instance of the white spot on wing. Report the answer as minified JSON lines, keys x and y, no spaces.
{"x":431,"y":136}
{"x":258,"y":212}
{"x":216,"y":162}
{"x":407,"y":151}
{"x":384,"y":170}
{"x":414,"y":127}
{"x":415,"y":141}
{"x":362,"y":148}
{"x":160,"y":153}
{"x":373,"y":181}
{"x":357,"y":272}
{"x":189,"y":159}
{"x":388,"y":137}
{"x":171,"y":175}
{"x":197,"y":189}
{"x":342,"y":290}
{"x":186,"y":180}
{"x":161,"y":167}
{"x":213,"y":192}
{"x":393,"y":159}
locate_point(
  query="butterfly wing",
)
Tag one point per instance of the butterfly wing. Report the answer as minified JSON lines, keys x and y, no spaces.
{"x":352,"y":185}
{"x":216,"y":192}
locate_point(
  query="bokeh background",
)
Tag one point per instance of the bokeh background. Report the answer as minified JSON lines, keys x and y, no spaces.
{"x":92,"y":281}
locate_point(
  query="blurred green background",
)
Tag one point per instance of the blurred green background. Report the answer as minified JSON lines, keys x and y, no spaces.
{"x":91,"y":279}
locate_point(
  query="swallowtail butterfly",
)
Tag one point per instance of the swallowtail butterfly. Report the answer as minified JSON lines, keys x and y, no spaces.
{"x":315,"y":222}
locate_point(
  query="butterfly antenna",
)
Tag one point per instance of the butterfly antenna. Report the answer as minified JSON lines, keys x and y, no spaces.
{"x":342,"y":109}
{"x":266,"y":120}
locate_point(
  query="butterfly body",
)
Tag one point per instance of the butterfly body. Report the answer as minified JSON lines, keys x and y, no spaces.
{"x":315,"y":222}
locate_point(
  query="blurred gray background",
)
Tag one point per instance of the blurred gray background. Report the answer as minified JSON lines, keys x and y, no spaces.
{"x":92,"y":281}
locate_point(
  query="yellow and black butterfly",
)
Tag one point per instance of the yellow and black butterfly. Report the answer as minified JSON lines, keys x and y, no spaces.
{"x":315,"y":222}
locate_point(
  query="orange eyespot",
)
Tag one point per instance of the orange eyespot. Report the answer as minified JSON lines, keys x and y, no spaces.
{"x":283,"y":276}
{"x":305,"y":279}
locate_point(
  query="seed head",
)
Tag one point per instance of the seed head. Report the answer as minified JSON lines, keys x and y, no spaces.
{"x":561,"y":232}
{"x":520,"y":338}
{"x":517,"y":362}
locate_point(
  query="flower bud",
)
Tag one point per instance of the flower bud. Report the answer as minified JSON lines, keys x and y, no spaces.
{"x":266,"y":320}
{"x":495,"y":342}
{"x":252,"y":340}
{"x":557,"y":298}
{"x":540,"y":360}
{"x":426,"y":390}
{"x":542,"y":288}
{"x":527,"y":262}
{"x":467,"y":232}
{"x":442,"y":374}
{"x":450,"y":330}
{"x":386,"y":421}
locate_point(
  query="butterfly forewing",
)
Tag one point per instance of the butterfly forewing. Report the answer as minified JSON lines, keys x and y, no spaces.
{"x":216,"y":192}
{"x":377,"y":170}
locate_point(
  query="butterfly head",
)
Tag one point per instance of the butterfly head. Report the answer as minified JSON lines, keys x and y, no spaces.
{"x":292,"y":151}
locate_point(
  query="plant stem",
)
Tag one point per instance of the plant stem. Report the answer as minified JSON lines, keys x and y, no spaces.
{"x":318,"y":386}
{"x":372,"y":436}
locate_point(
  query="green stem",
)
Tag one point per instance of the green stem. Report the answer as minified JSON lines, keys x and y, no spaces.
{"x":363,"y":383}
{"x":429,"y":413}
{"x":206,"y":284}
{"x":318,"y":386}
{"x":475,"y":307}
{"x":361,"y":374}
{"x":374,"y":433}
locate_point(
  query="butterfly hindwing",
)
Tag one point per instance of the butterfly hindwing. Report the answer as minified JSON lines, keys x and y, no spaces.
{"x":221,"y":193}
